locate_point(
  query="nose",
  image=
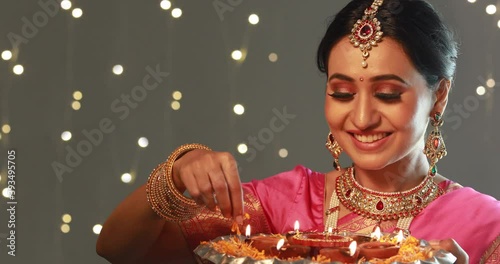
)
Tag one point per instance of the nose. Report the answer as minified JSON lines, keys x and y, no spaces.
{"x":365,"y":114}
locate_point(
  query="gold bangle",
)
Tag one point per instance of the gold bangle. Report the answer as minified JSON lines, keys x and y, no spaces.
{"x":164,"y":198}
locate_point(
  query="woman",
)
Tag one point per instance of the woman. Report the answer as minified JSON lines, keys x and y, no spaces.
{"x":389,"y":67}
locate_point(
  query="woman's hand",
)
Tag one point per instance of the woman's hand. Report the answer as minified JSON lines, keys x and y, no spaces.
{"x":211,"y":178}
{"x":453,"y":247}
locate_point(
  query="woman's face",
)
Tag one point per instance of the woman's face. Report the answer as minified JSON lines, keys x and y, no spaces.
{"x":378,"y":114}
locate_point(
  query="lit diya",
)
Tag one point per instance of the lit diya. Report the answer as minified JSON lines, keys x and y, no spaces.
{"x":321,"y":240}
{"x":262,"y":242}
{"x":342,"y":254}
{"x":288,"y":251}
{"x":379,"y":249}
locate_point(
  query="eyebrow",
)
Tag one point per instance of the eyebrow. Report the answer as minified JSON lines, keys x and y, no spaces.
{"x":383,"y":77}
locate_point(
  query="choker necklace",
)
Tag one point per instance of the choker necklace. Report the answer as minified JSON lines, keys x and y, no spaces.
{"x":380,"y":206}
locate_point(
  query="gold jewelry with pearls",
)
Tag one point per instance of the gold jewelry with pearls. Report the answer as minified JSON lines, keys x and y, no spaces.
{"x":366,"y":32}
{"x":434,"y":145}
{"x":333,"y":146}
{"x":164,"y":198}
{"x":380,"y":206}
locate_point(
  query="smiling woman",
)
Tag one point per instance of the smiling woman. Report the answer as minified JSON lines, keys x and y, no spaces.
{"x":389,"y":68}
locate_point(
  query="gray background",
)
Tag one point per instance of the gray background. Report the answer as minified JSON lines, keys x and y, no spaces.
{"x":69,"y":54}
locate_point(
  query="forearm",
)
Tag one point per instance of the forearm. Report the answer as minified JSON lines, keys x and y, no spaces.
{"x":131,"y":230}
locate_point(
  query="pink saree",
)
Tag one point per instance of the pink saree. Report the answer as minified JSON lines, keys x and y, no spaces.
{"x":274,"y":203}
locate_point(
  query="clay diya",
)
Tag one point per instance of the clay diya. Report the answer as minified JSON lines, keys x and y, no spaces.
{"x":341,"y":254}
{"x":376,"y":249}
{"x":321,"y":240}
{"x":263,"y":242}
{"x":288,"y":251}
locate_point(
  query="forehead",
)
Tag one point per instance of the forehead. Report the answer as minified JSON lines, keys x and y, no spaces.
{"x":388,"y":57}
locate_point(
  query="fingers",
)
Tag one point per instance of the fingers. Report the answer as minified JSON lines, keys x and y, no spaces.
{"x":230,"y":169}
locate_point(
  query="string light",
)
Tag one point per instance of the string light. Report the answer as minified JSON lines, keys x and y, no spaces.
{"x":65,"y":4}
{"x":6,"y":129}
{"x":143,"y":142}
{"x":66,"y":218}
{"x":118,"y":69}
{"x":65,"y":228}
{"x":175,"y":105}
{"x":480,"y":90}
{"x":236,"y":55}
{"x":6,"y":192}
{"x":165,"y":4}
{"x":6,"y":55}
{"x":176,"y":12}
{"x":273,"y":57}
{"x":253,"y":19}
{"x":239,"y":109}
{"x":283,"y":152}
{"x":18,"y":69}
{"x":126,"y":177}
{"x":66,"y":135}
{"x":77,"y":95}
{"x":77,"y":12}
{"x":177,"y":95}
{"x":490,"y":83}
{"x":491,"y":9}
{"x":97,"y":229}
{"x":242,"y":148}
{"x":76,"y":105}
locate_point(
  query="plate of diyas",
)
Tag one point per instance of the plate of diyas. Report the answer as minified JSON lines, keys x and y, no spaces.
{"x":321,"y":247}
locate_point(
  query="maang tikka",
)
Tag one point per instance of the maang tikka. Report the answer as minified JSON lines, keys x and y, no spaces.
{"x":366,"y":32}
{"x":333,"y":146}
{"x":434,"y":145}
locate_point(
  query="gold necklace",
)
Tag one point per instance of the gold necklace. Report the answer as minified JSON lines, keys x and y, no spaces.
{"x":380,"y":206}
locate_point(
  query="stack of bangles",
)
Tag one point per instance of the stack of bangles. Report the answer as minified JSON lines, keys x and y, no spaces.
{"x":165,"y":199}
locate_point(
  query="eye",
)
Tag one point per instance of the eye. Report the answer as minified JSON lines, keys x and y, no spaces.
{"x":342,"y":96}
{"x":388,"y":96}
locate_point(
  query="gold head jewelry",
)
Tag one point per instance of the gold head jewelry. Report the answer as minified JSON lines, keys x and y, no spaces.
{"x":434,"y":146}
{"x":333,"y":146}
{"x":366,"y":32}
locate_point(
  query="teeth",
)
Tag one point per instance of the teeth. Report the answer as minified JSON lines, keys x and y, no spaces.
{"x":370,"y":138}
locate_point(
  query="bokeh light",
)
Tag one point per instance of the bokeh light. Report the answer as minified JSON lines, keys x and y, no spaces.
{"x":143,"y":142}
{"x":66,"y":135}
{"x":239,"y":109}
{"x":283,"y":153}
{"x":253,"y":19}
{"x":77,"y":13}
{"x":6,"y":55}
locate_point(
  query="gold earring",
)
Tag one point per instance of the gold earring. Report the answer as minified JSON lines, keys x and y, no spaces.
{"x":434,"y":146}
{"x":333,"y":146}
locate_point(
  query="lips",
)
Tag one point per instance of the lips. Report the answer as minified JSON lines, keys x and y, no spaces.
{"x":370,"y":138}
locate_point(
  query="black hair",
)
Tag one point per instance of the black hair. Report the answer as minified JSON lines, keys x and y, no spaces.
{"x":415,"y":24}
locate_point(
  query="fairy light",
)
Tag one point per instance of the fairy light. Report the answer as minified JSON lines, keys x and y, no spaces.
{"x":253,"y":19}
{"x":77,"y":12}
{"x":283,"y":153}
{"x":66,"y":218}
{"x":490,"y":83}
{"x":77,"y":95}
{"x":118,"y":69}
{"x":126,"y":177}
{"x":76,"y":105}
{"x":480,"y":90}
{"x":6,"y":192}
{"x":97,"y":229}
{"x":273,"y":57}
{"x":176,"y":12}
{"x":18,"y":69}
{"x":6,"y":55}
{"x":65,"y":4}
{"x":143,"y":142}
{"x":177,"y":95}
{"x":165,"y":4}
{"x":175,"y":105}
{"x":66,"y":135}
{"x":491,"y":9}
{"x":242,"y":148}
{"x":6,"y":129}
{"x":65,"y":228}
{"x":236,"y":55}
{"x":239,"y":109}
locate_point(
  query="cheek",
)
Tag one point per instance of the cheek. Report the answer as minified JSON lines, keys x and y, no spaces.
{"x":335,"y":114}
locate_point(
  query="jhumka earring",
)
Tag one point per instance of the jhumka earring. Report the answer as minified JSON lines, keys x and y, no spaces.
{"x":333,"y":146}
{"x":434,"y":146}
{"x":367,"y":31}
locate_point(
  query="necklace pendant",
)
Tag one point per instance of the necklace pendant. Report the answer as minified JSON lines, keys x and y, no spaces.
{"x":380,"y":205}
